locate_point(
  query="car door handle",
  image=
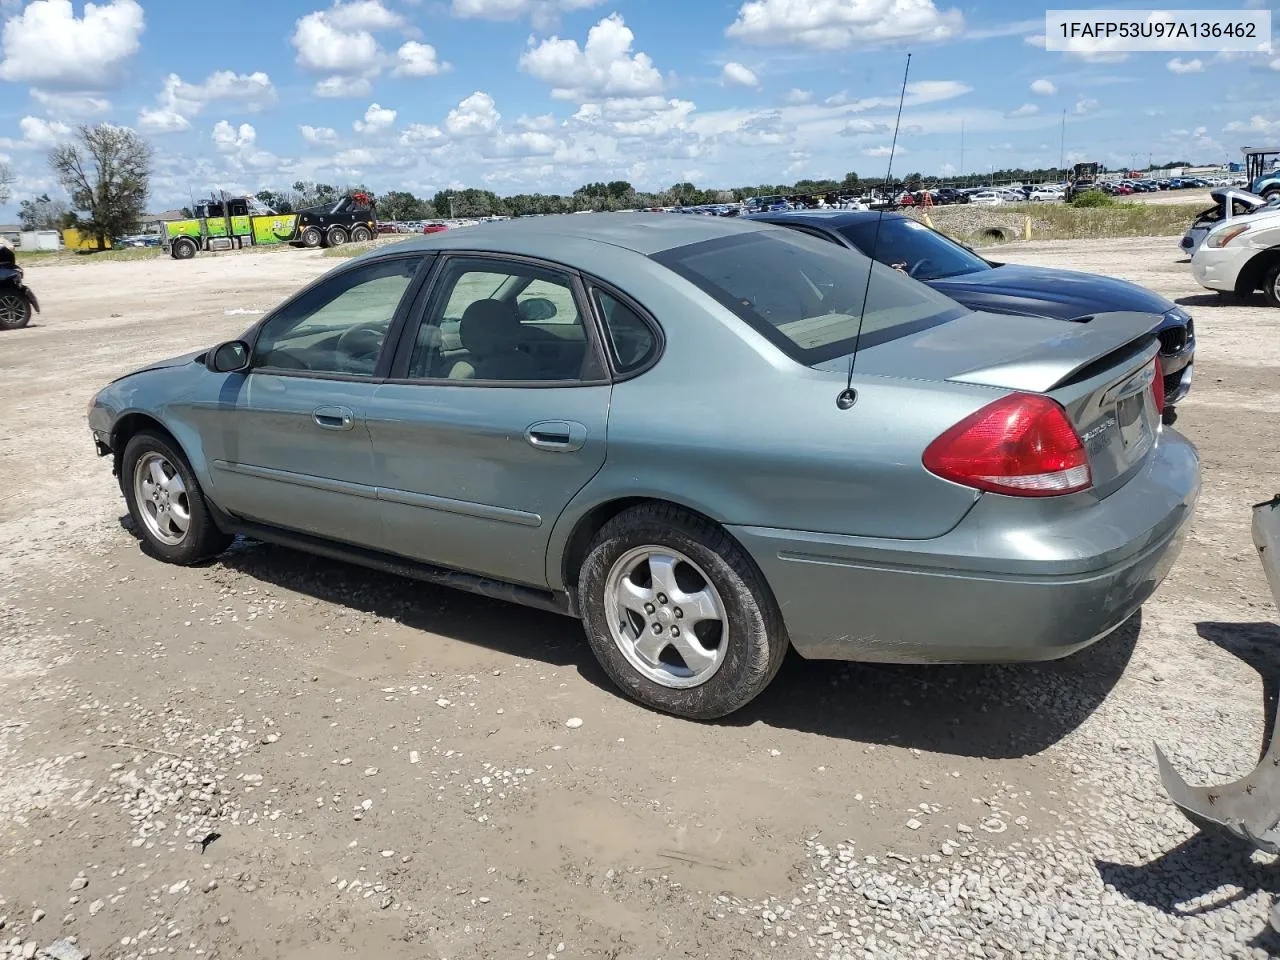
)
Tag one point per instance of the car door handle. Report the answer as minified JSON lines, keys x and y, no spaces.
{"x":334,"y":418}
{"x":558,"y":436}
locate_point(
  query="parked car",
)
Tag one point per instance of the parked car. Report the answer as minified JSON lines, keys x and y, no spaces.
{"x":1242,"y":255}
{"x":1040,"y":194}
{"x":1228,"y":202}
{"x":1008,"y":288}
{"x":987,"y":198}
{"x":653,"y":423}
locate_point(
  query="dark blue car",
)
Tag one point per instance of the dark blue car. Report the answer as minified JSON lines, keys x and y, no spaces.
{"x":981,"y":284}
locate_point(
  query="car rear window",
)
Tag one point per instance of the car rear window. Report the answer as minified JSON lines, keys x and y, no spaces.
{"x":806,"y":295}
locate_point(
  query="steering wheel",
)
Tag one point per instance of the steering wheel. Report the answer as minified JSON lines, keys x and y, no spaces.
{"x":361,"y":343}
{"x":918,"y":265}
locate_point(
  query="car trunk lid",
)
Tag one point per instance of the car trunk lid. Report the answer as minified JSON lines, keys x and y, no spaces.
{"x":1099,"y":369}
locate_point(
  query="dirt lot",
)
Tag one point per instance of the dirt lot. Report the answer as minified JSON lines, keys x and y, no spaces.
{"x":386,"y":769}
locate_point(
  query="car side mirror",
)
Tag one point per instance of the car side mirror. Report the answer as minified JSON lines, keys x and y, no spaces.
{"x":229,"y":357}
{"x":536,"y":309}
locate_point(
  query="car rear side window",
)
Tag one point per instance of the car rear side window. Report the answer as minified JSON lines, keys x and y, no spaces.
{"x":632,"y":341}
{"x":807,"y":296}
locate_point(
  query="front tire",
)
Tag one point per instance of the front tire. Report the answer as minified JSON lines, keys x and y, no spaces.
{"x":15,"y":310}
{"x":166,"y":503}
{"x":183,"y":249}
{"x":678,"y":615}
{"x":1271,"y":285}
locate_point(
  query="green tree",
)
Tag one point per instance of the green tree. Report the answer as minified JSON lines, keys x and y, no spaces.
{"x":277,"y":201}
{"x":107,"y":172}
{"x":400,"y":205}
{"x":42,"y":213}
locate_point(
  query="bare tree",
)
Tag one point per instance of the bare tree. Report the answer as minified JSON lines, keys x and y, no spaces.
{"x":6,"y":178}
{"x":107,"y":172}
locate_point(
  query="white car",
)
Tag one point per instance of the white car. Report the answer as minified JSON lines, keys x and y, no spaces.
{"x":1242,"y":255}
{"x":1229,"y":204}
{"x":1046,"y":193}
{"x":986,"y":198}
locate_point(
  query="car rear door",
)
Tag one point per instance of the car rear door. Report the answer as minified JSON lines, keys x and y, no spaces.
{"x":493,"y":419}
{"x":286,"y":441}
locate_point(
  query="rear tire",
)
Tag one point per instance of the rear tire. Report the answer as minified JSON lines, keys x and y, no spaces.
{"x":183,"y":249}
{"x":312,"y":237}
{"x":1271,"y":285}
{"x":15,"y":310}
{"x":170,"y":515}
{"x":361,"y":235}
{"x":337,"y":236}
{"x":729,"y":662}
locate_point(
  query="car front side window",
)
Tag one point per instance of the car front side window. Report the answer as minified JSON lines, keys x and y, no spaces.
{"x":340,"y":325}
{"x":506,"y":322}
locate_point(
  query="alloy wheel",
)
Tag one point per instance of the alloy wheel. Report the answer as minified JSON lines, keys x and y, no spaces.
{"x":162,"y":500}
{"x":666,"y":617}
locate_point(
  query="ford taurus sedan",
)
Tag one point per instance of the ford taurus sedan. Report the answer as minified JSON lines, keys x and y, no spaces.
{"x":980,"y":284}
{"x":711,"y":440}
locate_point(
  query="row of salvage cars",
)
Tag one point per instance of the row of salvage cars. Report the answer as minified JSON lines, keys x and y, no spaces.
{"x":1235,"y":244}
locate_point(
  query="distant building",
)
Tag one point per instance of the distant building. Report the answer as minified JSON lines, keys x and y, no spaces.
{"x":10,"y":231}
{"x":151,"y":221}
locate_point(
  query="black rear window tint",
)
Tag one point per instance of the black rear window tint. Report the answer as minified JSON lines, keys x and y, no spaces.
{"x":806,"y":295}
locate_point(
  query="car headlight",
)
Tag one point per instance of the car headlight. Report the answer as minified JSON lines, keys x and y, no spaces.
{"x":1223,"y":237}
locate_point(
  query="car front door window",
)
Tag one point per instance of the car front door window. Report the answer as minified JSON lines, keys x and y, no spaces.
{"x":340,"y":325}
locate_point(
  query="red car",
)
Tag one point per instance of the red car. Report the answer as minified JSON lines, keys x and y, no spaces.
{"x":434,"y":228}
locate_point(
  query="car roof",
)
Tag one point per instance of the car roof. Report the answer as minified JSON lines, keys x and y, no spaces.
{"x":643,"y":233}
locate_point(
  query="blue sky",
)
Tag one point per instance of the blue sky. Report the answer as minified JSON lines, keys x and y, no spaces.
{"x":545,"y":95}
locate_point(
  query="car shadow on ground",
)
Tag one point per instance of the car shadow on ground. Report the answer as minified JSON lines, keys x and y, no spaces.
{"x":1213,"y":869}
{"x":981,"y":711}
{"x":1221,"y":300}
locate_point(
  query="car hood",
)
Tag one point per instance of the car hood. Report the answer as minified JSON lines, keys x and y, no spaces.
{"x":164,"y":364}
{"x":1045,"y":292}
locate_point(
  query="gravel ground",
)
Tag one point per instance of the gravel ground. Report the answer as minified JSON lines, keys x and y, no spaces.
{"x":275,"y":755}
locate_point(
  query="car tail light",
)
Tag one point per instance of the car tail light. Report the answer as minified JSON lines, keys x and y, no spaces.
{"x":1157,"y":386}
{"x":1022,"y":445}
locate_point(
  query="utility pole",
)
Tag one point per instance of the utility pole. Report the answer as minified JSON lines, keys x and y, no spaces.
{"x":1062,"y":143}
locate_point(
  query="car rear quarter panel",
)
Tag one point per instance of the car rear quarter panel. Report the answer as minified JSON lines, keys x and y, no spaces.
{"x":727,"y":425}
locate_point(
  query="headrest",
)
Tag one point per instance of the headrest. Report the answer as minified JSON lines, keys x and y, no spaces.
{"x":489,"y":327}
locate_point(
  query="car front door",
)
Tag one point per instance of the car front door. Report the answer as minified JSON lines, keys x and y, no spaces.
{"x":494,"y":418}
{"x":286,"y":441}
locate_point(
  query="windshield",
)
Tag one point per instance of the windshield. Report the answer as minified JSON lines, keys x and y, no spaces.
{"x":912,"y":247}
{"x":806,"y":295}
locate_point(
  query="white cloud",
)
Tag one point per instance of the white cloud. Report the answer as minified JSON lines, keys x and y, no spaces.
{"x":340,"y":40}
{"x":796,"y":95}
{"x":318,"y":136}
{"x":1043,"y":88}
{"x":918,"y":92}
{"x":542,"y":12}
{"x":543,"y":122}
{"x":37,"y":134}
{"x":603,"y":67}
{"x":228,"y":138}
{"x":1087,"y":105}
{"x":162,"y":120}
{"x":1026,"y":110}
{"x":48,"y":45}
{"x":636,"y":117}
{"x":376,"y":119}
{"x":860,"y":127}
{"x":1178,"y":65}
{"x":884,"y":151}
{"x":736,"y":75}
{"x":474,"y":115}
{"x":71,"y":104}
{"x":1257,"y":124}
{"x":1035,"y":40}
{"x":343,"y":87}
{"x":421,"y":135}
{"x":252,"y":91}
{"x":418,"y":60}
{"x":841,"y":24}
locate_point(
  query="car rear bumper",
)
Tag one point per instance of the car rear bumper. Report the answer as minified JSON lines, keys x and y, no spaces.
{"x":1004,"y":585}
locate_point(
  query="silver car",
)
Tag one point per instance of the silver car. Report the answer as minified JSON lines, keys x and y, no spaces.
{"x":710,"y":440}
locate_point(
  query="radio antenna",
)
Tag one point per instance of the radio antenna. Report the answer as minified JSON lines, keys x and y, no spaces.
{"x":848,"y":397}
